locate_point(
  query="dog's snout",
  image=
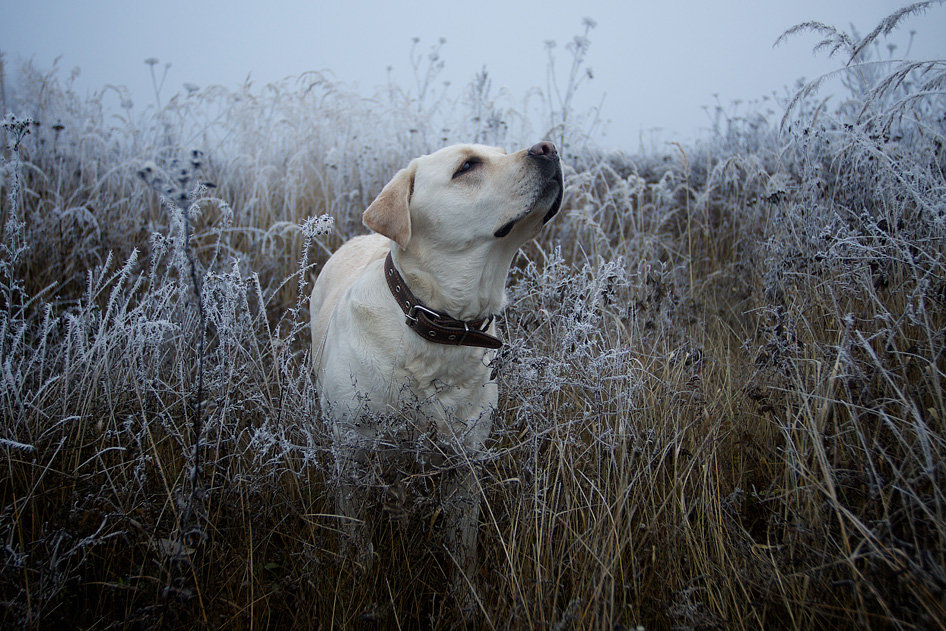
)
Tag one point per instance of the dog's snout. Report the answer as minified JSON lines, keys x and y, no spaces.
{"x":544,"y":148}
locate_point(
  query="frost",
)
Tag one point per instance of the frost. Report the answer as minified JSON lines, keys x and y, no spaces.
{"x":318,"y":226}
{"x":12,"y":444}
{"x":713,"y":347}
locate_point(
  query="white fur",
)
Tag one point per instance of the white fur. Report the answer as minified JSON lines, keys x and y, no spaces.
{"x":441,"y":230}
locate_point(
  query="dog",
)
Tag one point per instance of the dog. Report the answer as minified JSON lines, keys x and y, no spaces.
{"x":403,"y":319}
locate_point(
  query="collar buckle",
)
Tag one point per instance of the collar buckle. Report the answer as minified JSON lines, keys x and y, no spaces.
{"x":412,"y":309}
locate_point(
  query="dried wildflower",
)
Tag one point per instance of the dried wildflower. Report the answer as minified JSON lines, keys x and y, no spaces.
{"x":317,"y":226}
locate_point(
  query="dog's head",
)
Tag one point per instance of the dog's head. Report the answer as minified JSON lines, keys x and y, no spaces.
{"x":465,"y":195}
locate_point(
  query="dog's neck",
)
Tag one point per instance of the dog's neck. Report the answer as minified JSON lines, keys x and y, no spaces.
{"x":466,"y":287}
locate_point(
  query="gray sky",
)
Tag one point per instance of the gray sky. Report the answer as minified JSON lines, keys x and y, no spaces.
{"x":656,"y":63}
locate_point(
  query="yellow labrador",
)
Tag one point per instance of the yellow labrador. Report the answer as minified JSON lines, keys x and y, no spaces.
{"x":402,"y":320}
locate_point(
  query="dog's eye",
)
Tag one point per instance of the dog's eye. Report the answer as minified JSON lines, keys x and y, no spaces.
{"x":466,"y":167}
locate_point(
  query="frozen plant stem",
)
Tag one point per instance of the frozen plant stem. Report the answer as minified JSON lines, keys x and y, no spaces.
{"x":198,"y":421}
{"x":152,"y":62}
{"x":578,"y":48}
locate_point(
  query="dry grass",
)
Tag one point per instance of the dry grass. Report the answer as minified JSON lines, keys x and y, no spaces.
{"x":721,"y":395}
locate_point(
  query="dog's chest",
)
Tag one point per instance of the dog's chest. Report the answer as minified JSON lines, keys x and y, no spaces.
{"x":450,"y":376}
{"x":449,"y":386}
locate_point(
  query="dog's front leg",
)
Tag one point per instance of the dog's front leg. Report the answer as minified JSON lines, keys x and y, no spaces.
{"x":353,"y":498}
{"x":461,"y":503}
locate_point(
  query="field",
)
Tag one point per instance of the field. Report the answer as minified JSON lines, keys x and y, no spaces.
{"x":721,"y":394}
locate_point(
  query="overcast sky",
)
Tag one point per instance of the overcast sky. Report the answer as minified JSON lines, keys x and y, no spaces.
{"x":656,"y":63}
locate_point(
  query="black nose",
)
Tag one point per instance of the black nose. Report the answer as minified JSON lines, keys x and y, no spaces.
{"x":544,"y":148}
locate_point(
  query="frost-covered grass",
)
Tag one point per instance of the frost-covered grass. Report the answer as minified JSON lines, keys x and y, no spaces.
{"x":722,"y":393}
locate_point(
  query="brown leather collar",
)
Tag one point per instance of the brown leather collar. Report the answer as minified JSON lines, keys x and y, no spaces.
{"x":435,"y":326}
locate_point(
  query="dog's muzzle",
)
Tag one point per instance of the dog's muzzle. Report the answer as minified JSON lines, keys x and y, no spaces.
{"x":545,"y":158}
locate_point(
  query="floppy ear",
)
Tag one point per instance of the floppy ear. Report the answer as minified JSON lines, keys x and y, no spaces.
{"x":389,"y":213}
